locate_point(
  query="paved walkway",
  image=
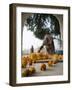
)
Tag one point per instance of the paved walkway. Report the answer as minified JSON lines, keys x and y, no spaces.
{"x":50,"y":71}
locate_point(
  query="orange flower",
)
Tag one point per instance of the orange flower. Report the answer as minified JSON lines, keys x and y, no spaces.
{"x":50,"y":63}
{"x":43,"y":67}
{"x":60,"y":57}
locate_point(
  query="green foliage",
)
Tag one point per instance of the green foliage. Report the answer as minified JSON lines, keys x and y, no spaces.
{"x":40,"y":24}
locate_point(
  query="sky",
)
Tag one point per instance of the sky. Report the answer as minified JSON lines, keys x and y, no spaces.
{"x":29,"y":39}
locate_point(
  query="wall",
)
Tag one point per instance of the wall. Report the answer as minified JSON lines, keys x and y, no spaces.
{"x":60,"y":19}
{"x":59,"y":44}
{"x":4,"y":45}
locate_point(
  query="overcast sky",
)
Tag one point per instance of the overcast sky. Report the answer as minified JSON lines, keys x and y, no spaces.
{"x":29,"y":39}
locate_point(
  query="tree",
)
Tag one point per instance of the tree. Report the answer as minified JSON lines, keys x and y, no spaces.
{"x":40,"y":24}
